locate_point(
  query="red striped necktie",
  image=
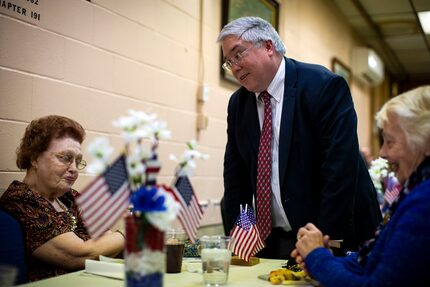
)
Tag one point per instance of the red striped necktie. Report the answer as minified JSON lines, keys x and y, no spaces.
{"x":264,"y":171}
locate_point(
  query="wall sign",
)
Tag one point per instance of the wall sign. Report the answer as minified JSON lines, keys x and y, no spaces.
{"x":27,"y":10}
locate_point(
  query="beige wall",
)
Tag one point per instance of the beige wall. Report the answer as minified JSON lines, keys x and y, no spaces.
{"x":92,"y":61}
{"x":315,"y":31}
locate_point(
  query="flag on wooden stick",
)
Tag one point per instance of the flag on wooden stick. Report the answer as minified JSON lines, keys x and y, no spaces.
{"x":105,"y":199}
{"x":190,"y":213}
{"x":392,"y":189}
{"x":247,"y":237}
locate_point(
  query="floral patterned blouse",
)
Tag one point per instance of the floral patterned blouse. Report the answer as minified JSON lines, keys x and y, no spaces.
{"x":41,"y":222}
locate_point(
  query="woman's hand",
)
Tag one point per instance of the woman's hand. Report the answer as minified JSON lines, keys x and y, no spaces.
{"x":309,"y":238}
{"x":299,"y":259}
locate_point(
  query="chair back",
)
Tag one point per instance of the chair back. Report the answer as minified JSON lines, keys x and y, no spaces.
{"x":12,"y":247}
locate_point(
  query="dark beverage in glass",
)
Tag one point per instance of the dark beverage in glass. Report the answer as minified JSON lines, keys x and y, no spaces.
{"x":175,"y":245}
{"x":174,"y":253}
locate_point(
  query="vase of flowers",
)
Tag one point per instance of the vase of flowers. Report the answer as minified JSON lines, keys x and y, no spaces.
{"x":385,"y":182}
{"x":152,"y":208}
{"x":144,"y":253}
{"x":145,"y":259}
{"x":378,"y":172}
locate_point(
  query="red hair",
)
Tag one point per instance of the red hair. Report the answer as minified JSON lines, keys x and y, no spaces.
{"x":39,"y":134}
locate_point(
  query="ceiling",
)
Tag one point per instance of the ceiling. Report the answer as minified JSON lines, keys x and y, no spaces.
{"x":392,"y":29}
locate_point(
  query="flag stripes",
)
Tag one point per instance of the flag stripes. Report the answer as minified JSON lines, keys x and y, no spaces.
{"x":190,"y":213}
{"x":391,"y":195}
{"x":105,"y":199}
{"x":247,"y":239}
{"x":392,"y":189}
{"x":153,"y":167}
{"x":247,"y":243}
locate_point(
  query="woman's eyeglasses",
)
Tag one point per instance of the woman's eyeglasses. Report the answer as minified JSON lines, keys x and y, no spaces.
{"x":68,"y":159}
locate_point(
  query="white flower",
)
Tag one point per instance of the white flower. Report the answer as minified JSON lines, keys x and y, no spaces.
{"x":126,"y":123}
{"x":378,"y":171}
{"x":173,"y":157}
{"x":142,"y":117}
{"x":162,"y":219}
{"x":131,"y":130}
{"x":190,"y":154}
{"x":187,"y":162}
{"x":95,"y":167}
{"x":101,"y":150}
{"x":192,"y":144}
{"x":138,"y":129}
{"x":139,"y":125}
{"x":160,"y":131}
{"x":135,"y":166}
{"x":132,"y":127}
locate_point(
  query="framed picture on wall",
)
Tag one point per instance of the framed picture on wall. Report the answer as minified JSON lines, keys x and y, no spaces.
{"x":341,"y":69}
{"x":233,"y":9}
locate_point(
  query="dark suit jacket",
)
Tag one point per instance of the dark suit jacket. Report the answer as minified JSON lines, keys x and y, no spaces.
{"x":323,"y":178}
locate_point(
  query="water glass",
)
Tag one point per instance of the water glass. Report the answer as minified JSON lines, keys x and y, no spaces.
{"x":216,"y":257}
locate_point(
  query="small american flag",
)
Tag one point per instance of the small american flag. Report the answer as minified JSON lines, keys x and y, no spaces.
{"x":190,"y":213}
{"x":153,"y":167}
{"x":105,"y":199}
{"x":392,"y":189}
{"x":247,"y":241}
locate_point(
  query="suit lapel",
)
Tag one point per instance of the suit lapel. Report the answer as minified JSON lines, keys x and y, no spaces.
{"x":287,"y":117}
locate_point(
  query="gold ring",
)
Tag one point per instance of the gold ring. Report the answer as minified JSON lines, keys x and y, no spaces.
{"x":298,"y":237}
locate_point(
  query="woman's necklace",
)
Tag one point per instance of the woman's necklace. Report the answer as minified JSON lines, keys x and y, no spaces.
{"x":71,"y":217}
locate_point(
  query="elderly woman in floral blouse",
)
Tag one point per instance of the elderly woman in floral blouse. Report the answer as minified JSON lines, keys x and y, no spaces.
{"x":399,"y":255}
{"x":44,"y":202}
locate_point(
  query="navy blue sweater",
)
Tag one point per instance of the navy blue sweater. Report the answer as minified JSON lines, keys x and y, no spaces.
{"x":400,"y":257}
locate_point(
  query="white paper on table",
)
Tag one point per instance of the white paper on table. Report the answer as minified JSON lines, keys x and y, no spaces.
{"x":107,"y":269}
{"x":193,"y":265}
{"x":110,"y":259}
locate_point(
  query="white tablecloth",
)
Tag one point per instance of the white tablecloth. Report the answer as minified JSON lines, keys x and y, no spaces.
{"x":240,"y":276}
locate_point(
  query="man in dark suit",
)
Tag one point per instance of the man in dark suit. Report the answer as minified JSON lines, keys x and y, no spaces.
{"x":316,"y":173}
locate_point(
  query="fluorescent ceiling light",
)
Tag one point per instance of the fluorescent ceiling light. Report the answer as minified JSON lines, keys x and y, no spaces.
{"x":425,"y":21}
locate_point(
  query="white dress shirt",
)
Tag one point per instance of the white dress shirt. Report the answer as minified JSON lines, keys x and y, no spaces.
{"x":276,"y":90}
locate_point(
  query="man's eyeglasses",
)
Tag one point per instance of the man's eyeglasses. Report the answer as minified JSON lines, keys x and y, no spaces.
{"x":68,"y":159}
{"x":235,"y":60}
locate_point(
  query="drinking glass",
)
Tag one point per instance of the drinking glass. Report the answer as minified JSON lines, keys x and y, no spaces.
{"x":216,"y":257}
{"x":175,"y":244}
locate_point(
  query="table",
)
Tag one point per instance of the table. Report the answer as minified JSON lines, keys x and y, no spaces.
{"x":240,"y":276}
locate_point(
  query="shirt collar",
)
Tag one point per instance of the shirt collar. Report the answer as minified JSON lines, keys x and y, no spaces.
{"x":275,"y":88}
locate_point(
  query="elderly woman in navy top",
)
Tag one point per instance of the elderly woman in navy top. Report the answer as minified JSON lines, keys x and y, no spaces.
{"x":400,"y":252}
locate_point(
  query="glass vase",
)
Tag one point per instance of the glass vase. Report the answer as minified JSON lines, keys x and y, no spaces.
{"x":145,"y":259}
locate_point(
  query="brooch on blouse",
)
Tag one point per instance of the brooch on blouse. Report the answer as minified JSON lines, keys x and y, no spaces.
{"x":72,"y":218}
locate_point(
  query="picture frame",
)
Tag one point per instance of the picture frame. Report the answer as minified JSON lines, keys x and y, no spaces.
{"x":233,"y":9}
{"x":341,"y":69}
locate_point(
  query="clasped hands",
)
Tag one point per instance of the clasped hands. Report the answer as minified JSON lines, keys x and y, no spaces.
{"x":309,"y":238}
